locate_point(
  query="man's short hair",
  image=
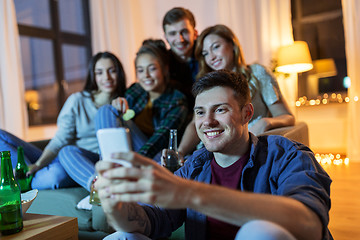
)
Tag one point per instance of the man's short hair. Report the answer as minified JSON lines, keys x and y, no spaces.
{"x":224,"y":78}
{"x":176,"y":14}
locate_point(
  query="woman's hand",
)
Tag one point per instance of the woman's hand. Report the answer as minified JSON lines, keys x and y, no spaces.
{"x":260,"y":126}
{"x":120,"y":104}
{"x":33,"y":168}
{"x":281,"y":118}
{"x":45,"y":159}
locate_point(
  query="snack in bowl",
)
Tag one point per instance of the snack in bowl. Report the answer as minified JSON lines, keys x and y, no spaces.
{"x":27,"y":198}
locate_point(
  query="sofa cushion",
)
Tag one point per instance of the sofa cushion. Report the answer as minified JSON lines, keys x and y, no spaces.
{"x":99,"y":222}
{"x":299,"y":132}
{"x":92,"y":224}
{"x":62,"y":202}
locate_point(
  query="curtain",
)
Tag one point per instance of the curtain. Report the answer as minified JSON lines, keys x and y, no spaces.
{"x":13,"y":118}
{"x":351,"y":13}
{"x":120,"y":26}
{"x":262,"y":27}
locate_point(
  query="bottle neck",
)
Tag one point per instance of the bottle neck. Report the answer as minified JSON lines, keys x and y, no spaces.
{"x":6,"y":170}
{"x":173,"y":141}
{"x":20,"y":159}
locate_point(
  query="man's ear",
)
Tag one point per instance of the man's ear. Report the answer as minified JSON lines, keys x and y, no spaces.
{"x":247,"y":112}
{"x":166,"y":38}
{"x":196,"y":34}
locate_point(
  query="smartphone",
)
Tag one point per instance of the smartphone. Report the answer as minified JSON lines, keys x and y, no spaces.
{"x":112,"y":140}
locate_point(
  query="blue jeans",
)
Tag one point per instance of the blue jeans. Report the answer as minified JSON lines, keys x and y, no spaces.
{"x":80,"y":164}
{"x":253,"y":230}
{"x":50,"y":177}
{"x":263,"y":230}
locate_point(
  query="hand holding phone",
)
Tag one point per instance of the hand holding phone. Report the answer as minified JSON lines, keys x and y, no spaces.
{"x":112,"y":140}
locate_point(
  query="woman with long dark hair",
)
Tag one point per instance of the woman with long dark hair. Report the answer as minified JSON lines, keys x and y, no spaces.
{"x":75,"y":124}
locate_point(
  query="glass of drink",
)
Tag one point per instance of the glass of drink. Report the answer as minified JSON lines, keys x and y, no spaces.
{"x":94,"y":198}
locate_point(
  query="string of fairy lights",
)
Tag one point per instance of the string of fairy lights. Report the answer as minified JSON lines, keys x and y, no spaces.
{"x":324,"y":99}
{"x":327,"y":159}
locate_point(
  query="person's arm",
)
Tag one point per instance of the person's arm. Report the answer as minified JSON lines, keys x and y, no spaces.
{"x":150,"y":183}
{"x":46,"y":157}
{"x":266,"y":83}
{"x":282,"y":117}
{"x":189,"y":140}
{"x":120,"y":104}
{"x":65,"y":133}
{"x":126,"y":217}
{"x":238,"y":208}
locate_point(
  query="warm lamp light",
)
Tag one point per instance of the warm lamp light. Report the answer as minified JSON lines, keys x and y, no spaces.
{"x":294,"y":58}
{"x":31,"y":96}
{"x":32,"y":99}
{"x":324,"y":68}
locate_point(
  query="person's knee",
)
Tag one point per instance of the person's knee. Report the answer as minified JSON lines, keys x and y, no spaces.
{"x":4,"y":135}
{"x":2,"y":132}
{"x":106,"y":116}
{"x":260,"y":230}
{"x":52,"y":176}
{"x":104,"y":110}
{"x":126,"y":236}
{"x":52,"y":182}
{"x":66,"y":151}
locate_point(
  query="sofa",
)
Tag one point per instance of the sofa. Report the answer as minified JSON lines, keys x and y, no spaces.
{"x":299,"y":132}
{"x":92,"y":223}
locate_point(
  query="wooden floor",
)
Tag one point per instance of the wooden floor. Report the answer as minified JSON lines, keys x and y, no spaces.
{"x":345,"y":199}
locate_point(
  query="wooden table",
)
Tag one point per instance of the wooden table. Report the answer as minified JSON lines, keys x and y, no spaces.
{"x":39,"y":227}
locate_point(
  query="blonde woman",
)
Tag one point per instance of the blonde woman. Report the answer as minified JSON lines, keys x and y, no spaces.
{"x":218,"y":48}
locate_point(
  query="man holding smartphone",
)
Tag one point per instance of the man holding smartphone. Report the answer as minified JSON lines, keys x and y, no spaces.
{"x":238,"y":187}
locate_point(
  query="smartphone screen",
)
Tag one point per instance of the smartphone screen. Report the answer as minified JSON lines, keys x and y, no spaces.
{"x":112,"y":140}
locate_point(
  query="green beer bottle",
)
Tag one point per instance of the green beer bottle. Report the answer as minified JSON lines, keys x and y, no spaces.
{"x":21,"y":170}
{"x":10,"y":199}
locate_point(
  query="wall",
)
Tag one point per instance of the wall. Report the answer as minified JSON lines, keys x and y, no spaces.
{"x":36,"y":133}
{"x":327,"y":127}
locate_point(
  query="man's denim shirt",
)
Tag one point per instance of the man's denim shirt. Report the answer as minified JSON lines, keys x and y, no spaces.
{"x":277,"y":166}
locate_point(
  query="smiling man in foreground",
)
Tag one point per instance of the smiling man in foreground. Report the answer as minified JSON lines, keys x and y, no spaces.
{"x":238,"y":187}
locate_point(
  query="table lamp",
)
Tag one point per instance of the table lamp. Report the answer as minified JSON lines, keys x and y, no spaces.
{"x":294,"y":58}
{"x":324,"y":68}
